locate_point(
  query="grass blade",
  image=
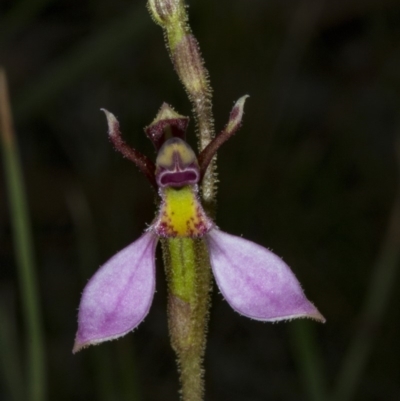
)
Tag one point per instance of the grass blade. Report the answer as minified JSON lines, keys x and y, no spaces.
{"x":23,"y":250}
{"x":308,"y":359}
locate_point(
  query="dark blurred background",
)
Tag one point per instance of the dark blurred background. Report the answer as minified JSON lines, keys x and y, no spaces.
{"x":312,"y":174}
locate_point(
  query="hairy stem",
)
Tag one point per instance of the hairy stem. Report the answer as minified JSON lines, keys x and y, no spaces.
{"x":189,"y":276}
{"x":186,"y":259}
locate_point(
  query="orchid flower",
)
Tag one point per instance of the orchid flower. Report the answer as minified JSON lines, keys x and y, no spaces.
{"x":253,"y":280}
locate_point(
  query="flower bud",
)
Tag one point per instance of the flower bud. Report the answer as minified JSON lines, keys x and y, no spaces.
{"x":165,"y":12}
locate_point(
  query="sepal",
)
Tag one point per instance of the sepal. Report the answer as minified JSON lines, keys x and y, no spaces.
{"x":143,"y":163}
{"x":167,"y":124}
{"x":119,"y":295}
{"x":234,"y":122}
{"x":256,"y":282}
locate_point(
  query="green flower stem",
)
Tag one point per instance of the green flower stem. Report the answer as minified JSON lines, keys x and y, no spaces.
{"x":189,"y":280}
{"x":185,"y":54}
{"x":23,"y":250}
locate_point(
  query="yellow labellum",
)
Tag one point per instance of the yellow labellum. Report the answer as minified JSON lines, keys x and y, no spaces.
{"x":181,"y":214}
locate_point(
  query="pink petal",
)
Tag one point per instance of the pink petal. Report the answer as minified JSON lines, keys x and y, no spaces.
{"x":118,"y":297}
{"x":255,"y":282}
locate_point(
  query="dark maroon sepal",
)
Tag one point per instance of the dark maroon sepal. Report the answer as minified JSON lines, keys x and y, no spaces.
{"x":167,"y":124}
{"x":235,"y":120}
{"x":143,"y":163}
